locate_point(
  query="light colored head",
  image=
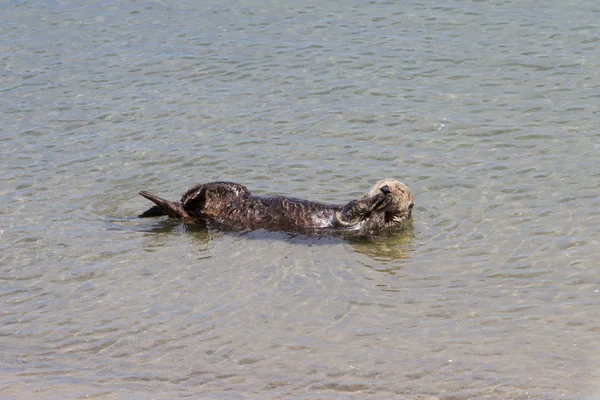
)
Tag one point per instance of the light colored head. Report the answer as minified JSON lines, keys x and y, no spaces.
{"x":400,"y":208}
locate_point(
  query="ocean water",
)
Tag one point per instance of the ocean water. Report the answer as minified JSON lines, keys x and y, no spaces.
{"x":488,"y":110}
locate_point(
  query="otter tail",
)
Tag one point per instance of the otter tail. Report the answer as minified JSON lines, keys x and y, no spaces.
{"x":163,"y":207}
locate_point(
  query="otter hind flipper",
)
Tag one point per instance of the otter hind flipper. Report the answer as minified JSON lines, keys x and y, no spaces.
{"x":163,"y":207}
{"x":155,"y":211}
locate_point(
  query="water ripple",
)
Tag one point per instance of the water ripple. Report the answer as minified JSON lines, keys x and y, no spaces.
{"x":487,"y":111}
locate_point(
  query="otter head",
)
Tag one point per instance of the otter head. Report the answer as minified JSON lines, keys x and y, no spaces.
{"x":399,"y":209}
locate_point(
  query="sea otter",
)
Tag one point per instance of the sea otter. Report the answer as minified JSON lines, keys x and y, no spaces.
{"x":231,"y":206}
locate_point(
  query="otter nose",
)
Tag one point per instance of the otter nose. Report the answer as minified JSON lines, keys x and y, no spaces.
{"x":385,"y":189}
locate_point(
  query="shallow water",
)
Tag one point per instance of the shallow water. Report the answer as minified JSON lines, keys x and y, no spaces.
{"x":488,"y":111}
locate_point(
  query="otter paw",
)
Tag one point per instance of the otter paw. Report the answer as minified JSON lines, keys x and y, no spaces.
{"x":385,"y":189}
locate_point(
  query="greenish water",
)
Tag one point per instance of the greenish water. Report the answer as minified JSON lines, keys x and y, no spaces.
{"x":487,"y":110}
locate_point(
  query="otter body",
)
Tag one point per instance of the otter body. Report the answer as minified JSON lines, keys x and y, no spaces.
{"x":231,"y":206}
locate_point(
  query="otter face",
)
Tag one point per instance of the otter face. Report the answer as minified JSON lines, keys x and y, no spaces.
{"x":400,"y":207}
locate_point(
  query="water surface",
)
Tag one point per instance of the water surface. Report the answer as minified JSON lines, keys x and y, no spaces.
{"x":487,"y":110}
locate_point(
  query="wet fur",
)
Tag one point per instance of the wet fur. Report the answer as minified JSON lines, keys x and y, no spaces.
{"x":231,"y":206}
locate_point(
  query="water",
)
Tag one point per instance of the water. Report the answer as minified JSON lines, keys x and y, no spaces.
{"x":487,"y":110}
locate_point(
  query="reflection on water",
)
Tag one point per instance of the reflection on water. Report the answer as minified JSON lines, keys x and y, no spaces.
{"x":388,"y":247}
{"x":383,"y":248}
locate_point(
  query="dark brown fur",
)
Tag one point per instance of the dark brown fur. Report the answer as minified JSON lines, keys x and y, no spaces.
{"x":231,"y":206}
